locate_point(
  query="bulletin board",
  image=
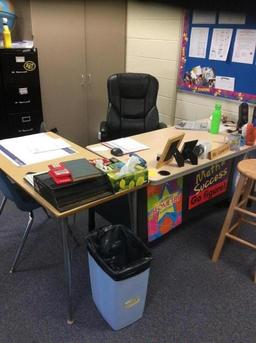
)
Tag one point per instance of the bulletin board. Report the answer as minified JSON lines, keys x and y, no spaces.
{"x":215,"y":77}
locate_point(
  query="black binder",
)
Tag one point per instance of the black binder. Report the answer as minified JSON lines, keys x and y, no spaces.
{"x":67,"y":196}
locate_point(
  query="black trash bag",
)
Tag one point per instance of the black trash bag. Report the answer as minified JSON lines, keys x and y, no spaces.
{"x":119,"y":252}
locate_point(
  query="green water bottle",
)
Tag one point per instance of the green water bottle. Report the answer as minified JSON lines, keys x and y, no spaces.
{"x":216,"y":118}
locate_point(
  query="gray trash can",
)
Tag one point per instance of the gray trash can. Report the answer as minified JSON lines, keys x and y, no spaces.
{"x":119,"y":264}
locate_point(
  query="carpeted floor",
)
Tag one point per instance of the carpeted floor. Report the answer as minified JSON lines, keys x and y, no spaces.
{"x":190,"y":299}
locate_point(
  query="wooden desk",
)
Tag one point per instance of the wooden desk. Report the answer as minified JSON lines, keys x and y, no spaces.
{"x":17,"y":173}
{"x":156,"y":141}
{"x":178,"y":183}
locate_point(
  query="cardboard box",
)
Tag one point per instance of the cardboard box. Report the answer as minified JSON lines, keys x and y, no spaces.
{"x":128,"y":181}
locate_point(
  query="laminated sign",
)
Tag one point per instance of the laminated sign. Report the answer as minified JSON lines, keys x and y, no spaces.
{"x":208,"y":183}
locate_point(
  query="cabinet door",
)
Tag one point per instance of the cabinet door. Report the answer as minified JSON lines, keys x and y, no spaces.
{"x":58,"y":30}
{"x":105,"y":55}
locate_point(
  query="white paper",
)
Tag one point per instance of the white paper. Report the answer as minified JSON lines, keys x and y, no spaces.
{"x":127,"y":145}
{"x":30,"y":177}
{"x":225,"y":82}
{"x":99,"y":148}
{"x":203,"y":17}
{"x":231,"y":18}
{"x":220,"y":44}
{"x":19,"y":59}
{"x":44,"y":143}
{"x":20,"y":148}
{"x":198,"y":42}
{"x":244,"y":47}
{"x":27,"y":44}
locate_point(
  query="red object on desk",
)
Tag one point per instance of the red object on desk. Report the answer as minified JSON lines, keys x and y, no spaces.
{"x":250,"y":134}
{"x":60,"y":174}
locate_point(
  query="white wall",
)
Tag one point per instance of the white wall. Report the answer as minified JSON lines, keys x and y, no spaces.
{"x":153,"y":46}
{"x":153,"y":40}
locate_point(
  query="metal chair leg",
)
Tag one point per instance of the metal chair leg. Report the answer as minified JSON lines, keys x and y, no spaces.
{"x":25,"y":235}
{"x":2,"y":204}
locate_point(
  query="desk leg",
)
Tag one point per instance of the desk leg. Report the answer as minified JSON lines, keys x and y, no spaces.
{"x":91,"y":216}
{"x":133,"y":209}
{"x":67,"y":266}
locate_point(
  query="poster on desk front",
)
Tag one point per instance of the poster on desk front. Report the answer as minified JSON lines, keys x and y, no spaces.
{"x":164,"y":208}
{"x":207,"y":184}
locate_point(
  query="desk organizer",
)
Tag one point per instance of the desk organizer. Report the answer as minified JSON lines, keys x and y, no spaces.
{"x":128,"y":181}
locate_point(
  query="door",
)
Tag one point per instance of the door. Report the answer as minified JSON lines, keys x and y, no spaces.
{"x":105,"y":27}
{"x":59,"y":34}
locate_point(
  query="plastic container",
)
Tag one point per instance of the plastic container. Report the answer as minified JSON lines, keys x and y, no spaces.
{"x":119,"y":265}
{"x":7,"y":39}
{"x":216,"y":119}
{"x":250,"y":134}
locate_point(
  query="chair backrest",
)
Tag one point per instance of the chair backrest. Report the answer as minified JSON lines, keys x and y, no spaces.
{"x":132,"y":104}
{"x":14,"y":193}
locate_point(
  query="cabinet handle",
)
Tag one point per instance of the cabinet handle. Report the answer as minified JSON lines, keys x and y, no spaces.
{"x":26,"y":119}
{"x":26,"y":130}
{"x":19,"y":72}
{"x":24,"y":102}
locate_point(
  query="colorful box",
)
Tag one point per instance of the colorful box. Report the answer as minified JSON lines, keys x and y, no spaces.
{"x":128,"y":181}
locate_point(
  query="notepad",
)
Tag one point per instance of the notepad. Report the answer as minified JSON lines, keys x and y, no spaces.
{"x":193,"y":125}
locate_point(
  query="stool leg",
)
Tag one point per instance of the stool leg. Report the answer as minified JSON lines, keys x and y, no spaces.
{"x":246,"y":192}
{"x":228,"y":218}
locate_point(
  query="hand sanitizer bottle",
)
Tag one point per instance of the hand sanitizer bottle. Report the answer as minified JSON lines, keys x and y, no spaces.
{"x":216,"y":119}
{"x":6,"y":34}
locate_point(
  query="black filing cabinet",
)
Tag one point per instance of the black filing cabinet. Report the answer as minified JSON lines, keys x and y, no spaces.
{"x":20,"y":95}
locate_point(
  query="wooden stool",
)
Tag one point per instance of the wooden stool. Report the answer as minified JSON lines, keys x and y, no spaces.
{"x":247,"y":170}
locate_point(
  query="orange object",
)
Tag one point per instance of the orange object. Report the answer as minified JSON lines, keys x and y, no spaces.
{"x":254,"y":131}
{"x":250,"y":134}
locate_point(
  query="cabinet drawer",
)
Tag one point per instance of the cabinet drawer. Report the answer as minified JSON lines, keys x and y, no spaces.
{"x":20,"y":124}
{"x":19,"y":67}
{"x":21,"y":98}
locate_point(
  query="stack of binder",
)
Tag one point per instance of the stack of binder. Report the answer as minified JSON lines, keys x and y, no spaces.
{"x":89,"y":184}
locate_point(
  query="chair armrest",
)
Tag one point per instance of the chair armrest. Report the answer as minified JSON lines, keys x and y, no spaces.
{"x":162,"y":125}
{"x":103,"y":127}
{"x":103,"y":133}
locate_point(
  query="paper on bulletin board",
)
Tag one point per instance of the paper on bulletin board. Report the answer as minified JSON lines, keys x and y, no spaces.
{"x":231,"y":18}
{"x":225,"y":82}
{"x":203,"y":17}
{"x":244,"y":47}
{"x":198,"y":42}
{"x":220,"y":44}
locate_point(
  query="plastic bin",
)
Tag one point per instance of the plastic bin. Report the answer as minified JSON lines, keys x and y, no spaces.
{"x":119,"y":265}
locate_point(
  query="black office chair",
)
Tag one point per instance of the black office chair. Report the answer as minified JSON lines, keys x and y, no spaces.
{"x":132,"y":106}
{"x":23,"y":201}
